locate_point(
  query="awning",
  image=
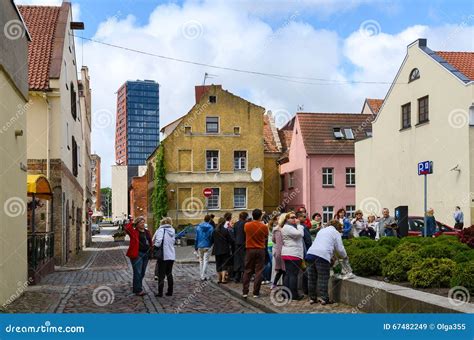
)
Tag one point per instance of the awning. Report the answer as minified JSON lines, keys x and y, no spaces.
{"x":39,"y":186}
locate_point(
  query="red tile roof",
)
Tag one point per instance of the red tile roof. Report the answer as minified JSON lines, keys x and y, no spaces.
{"x":270,"y":144}
{"x":375,"y":104}
{"x":285,"y":138}
{"x":41,"y":22}
{"x":463,"y":61}
{"x":318,"y":135}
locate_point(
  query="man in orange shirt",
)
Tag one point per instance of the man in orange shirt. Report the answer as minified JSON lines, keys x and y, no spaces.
{"x":256,"y":235}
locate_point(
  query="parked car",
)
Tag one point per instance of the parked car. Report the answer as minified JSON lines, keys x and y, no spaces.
{"x":416,"y":227}
{"x":95,"y":229}
{"x":187,"y":235}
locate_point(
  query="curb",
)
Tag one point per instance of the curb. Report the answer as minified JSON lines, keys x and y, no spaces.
{"x":255,"y":303}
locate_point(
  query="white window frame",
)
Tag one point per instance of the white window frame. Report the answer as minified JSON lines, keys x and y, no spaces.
{"x":350,"y":210}
{"x":218,"y":125}
{"x":348,"y":133}
{"x":291,"y":179}
{"x":218,"y":161}
{"x":246,"y":195}
{"x":327,"y":210}
{"x":218,"y":200}
{"x":350,"y":171}
{"x":240,"y":158}
{"x":325,"y":175}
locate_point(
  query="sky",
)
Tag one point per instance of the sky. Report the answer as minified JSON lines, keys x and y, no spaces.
{"x":354,"y":48}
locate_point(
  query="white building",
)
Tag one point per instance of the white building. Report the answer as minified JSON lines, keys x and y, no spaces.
{"x":427,"y":115}
{"x":119,"y":192}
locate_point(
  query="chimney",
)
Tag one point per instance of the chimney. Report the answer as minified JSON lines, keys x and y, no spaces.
{"x":422,"y":42}
{"x":201,"y":90}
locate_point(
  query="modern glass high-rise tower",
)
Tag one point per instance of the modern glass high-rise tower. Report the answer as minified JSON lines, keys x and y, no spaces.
{"x":138,"y":123}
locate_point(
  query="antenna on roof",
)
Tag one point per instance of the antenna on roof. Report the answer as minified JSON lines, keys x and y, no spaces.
{"x":300,"y":107}
{"x":207,"y":76}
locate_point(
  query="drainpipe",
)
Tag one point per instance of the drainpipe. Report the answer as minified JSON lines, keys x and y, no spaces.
{"x":48,"y":118}
{"x":308,"y":186}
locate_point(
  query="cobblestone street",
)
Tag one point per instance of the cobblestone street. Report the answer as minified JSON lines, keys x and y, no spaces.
{"x":100,"y":282}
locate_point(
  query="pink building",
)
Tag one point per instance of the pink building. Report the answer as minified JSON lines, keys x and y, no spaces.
{"x":318,"y":169}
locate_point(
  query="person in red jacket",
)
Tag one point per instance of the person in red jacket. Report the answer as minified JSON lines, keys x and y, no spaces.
{"x":138,"y":252}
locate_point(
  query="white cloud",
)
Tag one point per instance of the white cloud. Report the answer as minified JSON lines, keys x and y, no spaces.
{"x":222,"y":34}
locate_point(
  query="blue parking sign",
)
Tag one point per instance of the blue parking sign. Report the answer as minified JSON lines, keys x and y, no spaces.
{"x":425,"y":168}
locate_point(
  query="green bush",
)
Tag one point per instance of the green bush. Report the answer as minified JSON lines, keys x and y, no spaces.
{"x":437,"y":250}
{"x":367,"y":261}
{"x":464,"y":256}
{"x":396,"y":264}
{"x":432,"y":272}
{"x":417,"y":240}
{"x":362,"y":242}
{"x":408,"y":246}
{"x":464,"y":276}
{"x":389,"y":242}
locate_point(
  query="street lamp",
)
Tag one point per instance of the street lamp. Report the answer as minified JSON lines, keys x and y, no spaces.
{"x":176,"y":199}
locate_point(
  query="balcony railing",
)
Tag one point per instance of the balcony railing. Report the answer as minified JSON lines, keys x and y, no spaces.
{"x":40,"y":249}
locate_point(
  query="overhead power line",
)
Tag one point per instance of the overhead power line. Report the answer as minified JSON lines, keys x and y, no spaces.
{"x":295,"y":79}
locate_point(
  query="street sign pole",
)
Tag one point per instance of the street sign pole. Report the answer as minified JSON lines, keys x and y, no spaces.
{"x":425,"y":219}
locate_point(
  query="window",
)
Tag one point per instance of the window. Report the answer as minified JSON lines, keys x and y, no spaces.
{"x":406,"y":116}
{"x":240,"y":160}
{"x":348,"y":133}
{"x":350,"y":177}
{"x":290,"y":180}
{"x":212,"y":124}
{"x":67,"y":136}
{"x":212,"y":160}
{"x":368,"y":133}
{"x":236,"y":130}
{"x":187,"y":130}
{"x":74,"y":157}
{"x":350,"y":210}
{"x":328,"y":213}
{"x":240,"y":198}
{"x":282,"y":182}
{"x":73,"y":102}
{"x":471,"y":115}
{"x":423,"y":110}
{"x":414,"y":75}
{"x":328,"y":177}
{"x":212,"y":99}
{"x":338,"y":133}
{"x":213,"y":200}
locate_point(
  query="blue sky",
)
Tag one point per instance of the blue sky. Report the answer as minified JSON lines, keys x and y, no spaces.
{"x":353,"y":40}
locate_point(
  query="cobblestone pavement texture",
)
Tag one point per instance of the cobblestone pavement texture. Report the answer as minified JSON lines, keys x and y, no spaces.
{"x":103,"y":285}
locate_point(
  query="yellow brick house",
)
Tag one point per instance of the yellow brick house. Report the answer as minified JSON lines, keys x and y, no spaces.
{"x":224,"y":143}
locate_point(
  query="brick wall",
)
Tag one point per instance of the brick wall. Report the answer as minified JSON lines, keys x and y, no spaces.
{"x":138,"y":196}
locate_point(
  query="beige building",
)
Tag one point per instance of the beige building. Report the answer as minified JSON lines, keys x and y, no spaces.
{"x":119,"y":192}
{"x":13,"y":103}
{"x":56,"y":139}
{"x":224,"y":143}
{"x":427,"y":115}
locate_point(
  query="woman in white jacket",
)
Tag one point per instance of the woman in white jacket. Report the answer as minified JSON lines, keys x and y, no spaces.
{"x":292,"y":252}
{"x":163,"y":241}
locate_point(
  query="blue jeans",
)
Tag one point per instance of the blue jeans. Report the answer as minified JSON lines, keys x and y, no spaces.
{"x":139,"y":269}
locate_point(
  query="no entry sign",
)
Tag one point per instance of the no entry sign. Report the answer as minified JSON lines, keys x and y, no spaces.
{"x":207,"y":192}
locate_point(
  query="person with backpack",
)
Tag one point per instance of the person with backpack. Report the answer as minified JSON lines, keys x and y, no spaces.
{"x":203,"y":245}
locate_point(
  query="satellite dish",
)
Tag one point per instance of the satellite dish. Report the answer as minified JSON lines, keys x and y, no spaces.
{"x":256,"y":174}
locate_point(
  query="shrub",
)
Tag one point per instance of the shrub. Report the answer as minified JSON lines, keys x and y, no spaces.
{"x":397,"y":263}
{"x":432,"y":272}
{"x":464,"y":276}
{"x":418,"y":240}
{"x":362,"y":242}
{"x":367,"y":261}
{"x":437,"y":250}
{"x":464,"y":256}
{"x":467,"y":236}
{"x":408,"y":246}
{"x":389,"y":242}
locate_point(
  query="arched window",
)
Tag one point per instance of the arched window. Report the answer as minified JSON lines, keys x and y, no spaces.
{"x":414,"y":74}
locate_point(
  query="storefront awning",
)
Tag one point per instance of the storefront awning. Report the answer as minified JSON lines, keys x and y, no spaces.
{"x":39,"y":186}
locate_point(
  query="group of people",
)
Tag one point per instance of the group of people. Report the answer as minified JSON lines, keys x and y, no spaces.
{"x":287,"y":247}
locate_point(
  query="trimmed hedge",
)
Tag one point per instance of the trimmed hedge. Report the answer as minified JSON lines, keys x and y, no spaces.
{"x":437,"y":250}
{"x":464,"y":276}
{"x":389,"y":242}
{"x":464,"y":256}
{"x":368,"y":261}
{"x":432,"y":272}
{"x":408,"y":246}
{"x":396,"y":264}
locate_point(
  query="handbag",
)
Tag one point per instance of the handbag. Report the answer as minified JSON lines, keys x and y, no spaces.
{"x":158,"y":252}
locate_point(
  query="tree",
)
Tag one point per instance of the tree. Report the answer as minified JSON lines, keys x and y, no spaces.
{"x":106,"y":200}
{"x":159,"y":196}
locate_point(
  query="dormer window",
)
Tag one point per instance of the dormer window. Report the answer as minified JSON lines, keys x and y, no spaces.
{"x":414,"y":75}
{"x":348,"y":133}
{"x":338,"y":133}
